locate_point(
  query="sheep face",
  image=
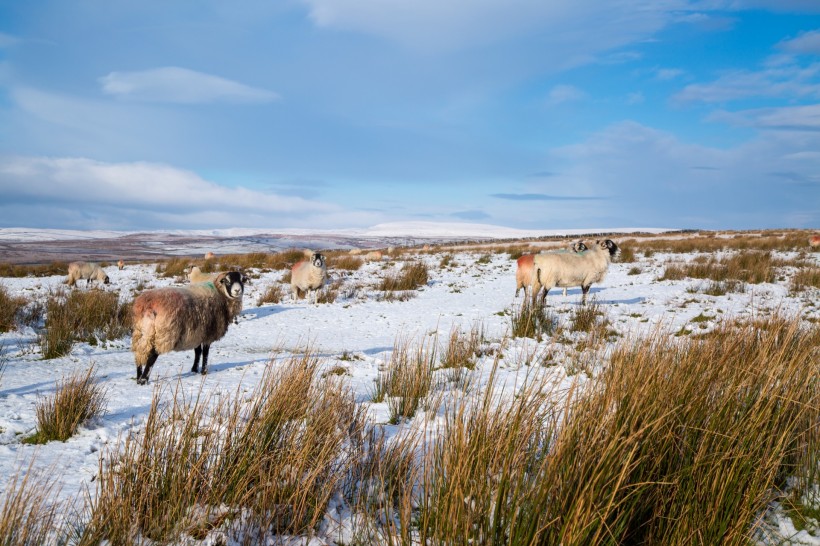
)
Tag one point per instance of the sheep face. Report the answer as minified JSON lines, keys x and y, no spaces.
{"x":610,"y":246}
{"x":107,"y":280}
{"x":318,"y":260}
{"x":579,"y":246}
{"x":233,"y":283}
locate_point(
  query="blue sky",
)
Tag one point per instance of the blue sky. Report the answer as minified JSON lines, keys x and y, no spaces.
{"x":329,"y":114}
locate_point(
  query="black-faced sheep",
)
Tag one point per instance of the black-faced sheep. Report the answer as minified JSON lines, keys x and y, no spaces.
{"x":184,"y":318}
{"x":572,"y":269}
{"x":308,"y":276}
{"x":84,"y":270}
{"x":523,"y":272}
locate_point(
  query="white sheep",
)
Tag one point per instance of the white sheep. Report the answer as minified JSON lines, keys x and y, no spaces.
{"x":572,"y":269}
{"x":523,"y":272}
{"x":120,"y":265}
{"x":88,"y":271}
{"x":184,"y":318}
{"x":373,"y":256}
{"x":308,"y":276}
{"x":196,"y":275}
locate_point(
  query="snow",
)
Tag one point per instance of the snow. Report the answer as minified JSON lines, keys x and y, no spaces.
{"x":465,"y":294}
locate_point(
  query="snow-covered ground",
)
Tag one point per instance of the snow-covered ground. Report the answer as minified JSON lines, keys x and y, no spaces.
{"x":464,"y":293}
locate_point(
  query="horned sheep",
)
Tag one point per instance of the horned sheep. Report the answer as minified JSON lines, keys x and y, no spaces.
{"x":181,"y":318}
{"x":523,"y":273}
{"x":88,"y":271}
{"x":308,"y":276}
{"x":573,"y":269}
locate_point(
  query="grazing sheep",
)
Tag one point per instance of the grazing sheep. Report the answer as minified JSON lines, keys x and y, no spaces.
{"x":84,"y":270}
{"x":373,"y":256}
{"x":184,"y":318}
{"x":814,"y":242}
{"x":308,"y":276}
{"x":210,"y":255}
{"x":571,"y":269}
{"x":523,"y":274}
{"x":196,"y":275}
{"x":355,"y":251}
{"x":120,"y":265}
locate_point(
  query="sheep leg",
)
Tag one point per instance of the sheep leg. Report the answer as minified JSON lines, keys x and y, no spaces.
{"x":205,"y":350}
{"x":142,"y":372}
{"x":197,"y":353}
{"x":584,"y":290}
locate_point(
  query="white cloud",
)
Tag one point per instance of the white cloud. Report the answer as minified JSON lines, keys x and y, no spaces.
{"x":564,"y":93}
{"x":765,"y":182}
{"x":668,"y":73}
{"x":590,"y":25}
{"x":807,"y":43}
{"x":154,"y":192}
{"x":782,"y":80}
{"x":174,"y":84}
{"x":787,"y":118}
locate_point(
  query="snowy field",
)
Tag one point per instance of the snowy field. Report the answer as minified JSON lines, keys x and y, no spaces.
{"x":357,"y":334}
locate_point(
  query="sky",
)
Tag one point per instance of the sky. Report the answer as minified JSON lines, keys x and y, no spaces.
{"x":332,"y":114}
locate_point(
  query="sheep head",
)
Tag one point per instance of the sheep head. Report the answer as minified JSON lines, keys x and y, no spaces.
{"x":318,"y":260}
{"x":231,"y":283}
{"x":609,"y":246}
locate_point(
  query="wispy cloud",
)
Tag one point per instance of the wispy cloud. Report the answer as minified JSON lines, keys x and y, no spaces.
{"x":180,"y":85}
{"x":564,"y":93}
{"x":7,"y":40}
{"x":787,"y":118}
{"x":790,"y":81}
{"x":542,"y":197}
{"x":807,"y":43}
{"x":155,"y":191}
{"x":666,"y":74}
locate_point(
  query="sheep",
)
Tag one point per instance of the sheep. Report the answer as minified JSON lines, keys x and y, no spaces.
{"x":355,"y":251}
{"x":184,"y":318}
{"x":373,"y":256}
{"x":120,"y":265}
{"x":814,"y":241}
{"x":308,"y":276}
{"x":88,"y":271}
{"x":210,"y":255}
{"x":523,"y":274}
{"x":572,"y":269}
{"x":196,"y":275}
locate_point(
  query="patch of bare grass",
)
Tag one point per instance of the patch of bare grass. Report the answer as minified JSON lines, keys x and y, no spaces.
{"x":28,"y":514}
{"x":804,"y":278}
{"x":532,"y":319}
{"x":407,"y":380}
{"x":462,"y":348}
{"x":273,"y":294}
{"x":345,"y":262}
{"x":11,"y":309}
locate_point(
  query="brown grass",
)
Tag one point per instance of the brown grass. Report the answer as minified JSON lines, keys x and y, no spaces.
{"x":28,"y":515}
{"x":76,"y":401}
{"x":805,"y":278}
{"x":11,"y":309}
{"x":412,"y":276}
{"x":345,"y":262}
{"x":43,"y":270}
{"x":407,"y":380}
{"x":91,"y":316}
{"x":532,"y":319}
{"x":752,"y":267}
{"x":463,"y":347}
{"x":273,"y":294}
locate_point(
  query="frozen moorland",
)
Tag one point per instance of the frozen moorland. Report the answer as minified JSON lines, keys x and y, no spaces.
{"x":469,"y":289}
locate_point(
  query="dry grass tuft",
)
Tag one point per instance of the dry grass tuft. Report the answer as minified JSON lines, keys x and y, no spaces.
{"x":76,"y":401}
{"x":412,"y":276}
{"x":11,"y":309}
{"x":91,"y":316}
{"x":805,"y":278}
{"x":42,"y":270}
{"x":28,"y":516}
{"x":532,"y":319}
{"x":463,"y":347}
{"x":346,"y":262}
{"x":273,"y":294}
{"x":407,"y":380}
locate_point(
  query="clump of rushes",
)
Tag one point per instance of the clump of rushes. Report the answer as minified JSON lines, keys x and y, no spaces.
{"x":412,"y":276}
{"x":82,"y":316}
{"x":173,"y":267}
{"x":11,"y":308}
{"x":347,"y":263}
{"x":273,"y":294}
{"x":532,"y":319}
{"x":804,"y":278}
{"x":28,"y":514}
{"x":257,"y":465}
{"x":76,"y":401}
{"x":462,"y":348}
{"x":407,"y":380}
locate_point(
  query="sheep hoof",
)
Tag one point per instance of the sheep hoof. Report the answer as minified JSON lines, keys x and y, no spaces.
{"x":142,"y":380}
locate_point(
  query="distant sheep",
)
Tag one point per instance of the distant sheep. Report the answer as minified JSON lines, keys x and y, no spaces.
{"x":184,"y":318}
{"x":210,"y":255}
{"x":196,"y":275}
{"x":814,"y":242}
{"x":355,"y":251}
{"x":308,"y":276}
{"x":84,"y":270}
{"x":373,"y":256}
{"x":572,"y":269}
{"x":523,"y":273}
{"x":120,"y":265}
